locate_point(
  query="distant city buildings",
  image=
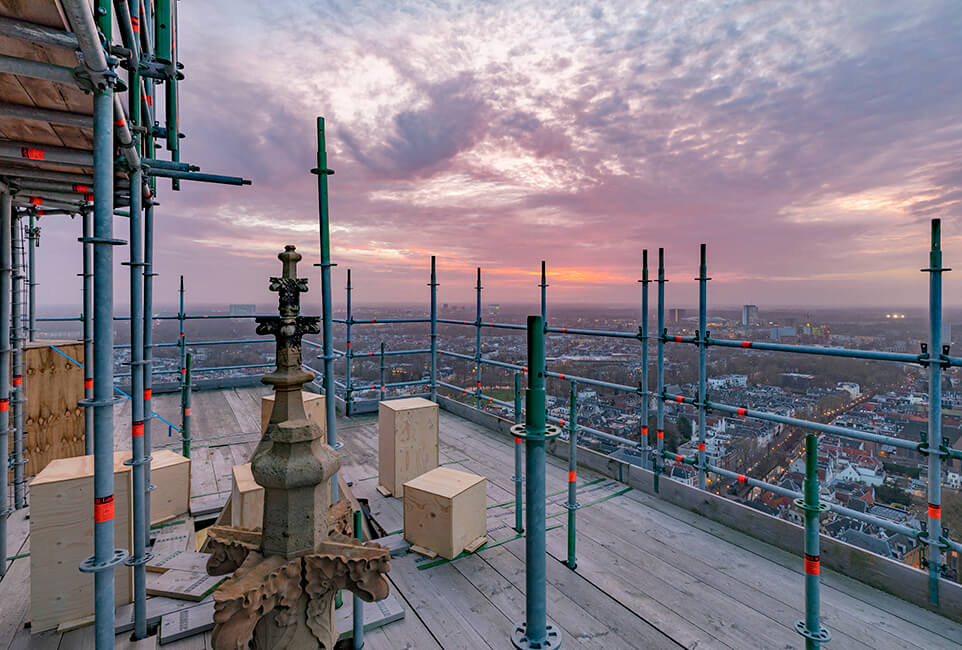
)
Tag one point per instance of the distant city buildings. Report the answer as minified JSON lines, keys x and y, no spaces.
{"x":749,"y":315}
{"x":242,"y":309}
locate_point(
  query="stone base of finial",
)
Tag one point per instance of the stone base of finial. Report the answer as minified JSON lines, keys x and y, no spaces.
{"x":275,"y":602}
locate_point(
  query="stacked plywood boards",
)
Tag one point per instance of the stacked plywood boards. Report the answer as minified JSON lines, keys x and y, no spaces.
{"x":247,"y":499}
{"x":445,"y":511}
{"x":313,"y":406}
{"x":407,"y":441}
{"x":170,"y":475}
{"x":62,"y":536}
{"x":53,"y":422}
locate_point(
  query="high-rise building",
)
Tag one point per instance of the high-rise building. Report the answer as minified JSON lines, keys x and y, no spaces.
{"x":749,"y":315}
{"x":946,"y":332}
{"x":242,"y":309}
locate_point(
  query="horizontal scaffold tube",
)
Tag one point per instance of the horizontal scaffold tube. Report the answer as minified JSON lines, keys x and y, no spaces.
{"x":389,"y":353}
{"x":474,"y":323}
{"x":796,"y":422}
{"x":870,"y":355}
{"x":378,"y":321}
{"x":616,"y":335}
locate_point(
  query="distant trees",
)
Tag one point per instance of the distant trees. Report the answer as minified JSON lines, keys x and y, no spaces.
{"x":890,"y":494}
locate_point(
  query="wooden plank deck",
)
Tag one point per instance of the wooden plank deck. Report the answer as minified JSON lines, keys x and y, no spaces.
{"x":649,"y":574}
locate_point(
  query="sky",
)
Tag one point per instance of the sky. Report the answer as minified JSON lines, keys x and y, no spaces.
{"x":807,"y":143}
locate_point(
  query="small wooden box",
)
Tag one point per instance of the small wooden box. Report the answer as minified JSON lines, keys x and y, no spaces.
{"x":445,"y":510}
{"x":314,"y":406}
{"x":170,"y":474}
{"x":247,"y":499}
{"x":62,"y":536}
{"x":407,"y":441}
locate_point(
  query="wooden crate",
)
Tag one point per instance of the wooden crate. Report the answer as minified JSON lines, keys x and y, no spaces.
{"x":53,"y":423}
{"x":62,"y":536}
{"x":247,"y":499}
{"x":445,"y":510}
{"x":407,"y":441}
{"x":170,"y":474}
{"x":314,"y":406}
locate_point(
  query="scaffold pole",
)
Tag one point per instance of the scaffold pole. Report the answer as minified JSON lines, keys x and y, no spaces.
{"x":518,"y":478}
{"x":660,"y":424}
{"x":322,"y":173}
{"x":348,"y":352}
{"x":535,"y":631}
{"x":702,"y":336}
{"x":434,"y":329}
{"x":643,"y":335}
{"x":6,"y":226}
{"x":572,"y":504}
{"x":477,"y":344}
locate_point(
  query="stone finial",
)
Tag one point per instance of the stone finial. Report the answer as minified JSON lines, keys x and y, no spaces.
{"x":285,"y":577}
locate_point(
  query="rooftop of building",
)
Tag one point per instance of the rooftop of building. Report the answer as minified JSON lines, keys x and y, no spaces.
{"x":650,"y":572}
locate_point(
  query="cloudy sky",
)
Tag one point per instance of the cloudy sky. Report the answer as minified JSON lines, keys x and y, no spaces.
{"x":808,"y":143}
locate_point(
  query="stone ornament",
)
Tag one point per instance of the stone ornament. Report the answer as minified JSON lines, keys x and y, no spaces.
{"x":285,"y":577}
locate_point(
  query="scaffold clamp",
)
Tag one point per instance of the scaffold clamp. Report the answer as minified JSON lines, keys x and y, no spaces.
{"x":821,"y":636}
{"x":91,"y":566}
{"x":819,"y":507}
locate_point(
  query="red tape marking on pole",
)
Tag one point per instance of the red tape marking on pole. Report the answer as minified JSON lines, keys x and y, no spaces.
{"x":82,"y":189}
{"x":32,"y":153}
{"x":88,"y":383}
{"x":701,"y":446}
{"x":935,"y":512}
{"x":4,"y":404}
{"x":137,"y":430}
{"x":17,"y":380}
{"x":135,"y":24}
{"x":148,"y":393}
{"x":741,"y":411}
{"x":187,"y":412}
{"x":348,"y":344}
{"x":746,"y":344}
{"x":103,"y":509}
{"x":36,"y":200}
{"x":572,"y":476}
{"x":517,"y":440}
{"x":679,"y":398}
{"x":659,"y":434}
{"x":644,"y":431}
{"x":742,"y":478}
{"x":680,"y":459}
{"x":677,"y":339}
{"x":811,"y":564}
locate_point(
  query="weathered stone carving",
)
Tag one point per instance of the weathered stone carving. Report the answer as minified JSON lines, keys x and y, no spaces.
{"x":285,"y":576}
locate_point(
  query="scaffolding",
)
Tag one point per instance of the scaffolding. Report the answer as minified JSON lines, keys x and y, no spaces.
{"x":80,"y":136}
{"x":97,"y":177}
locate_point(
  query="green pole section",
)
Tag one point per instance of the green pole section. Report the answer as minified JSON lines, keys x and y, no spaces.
{"x":660,"y":422}
{"x":702,"y":337}
{"x":935,"y":443}
{"x":535,"y":632}
{"x":518,"y":477}
{"x":185,"y":398}
{"x":477,"y":346}
{"x":811,"y":628}
{"x":382,"y":371}
{"x":327,"y":327}
{"x":348,"y":353}
{"x":358,"y":603}
{"x":572,"y":504}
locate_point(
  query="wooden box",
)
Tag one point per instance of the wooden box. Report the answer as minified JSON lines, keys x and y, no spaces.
{"x":170,"y":474}
{"x":53,"y":423}
{"x":407,"y":441}
{"x":62,"y":536}
{"x":314,"y":406}
{"x":445,"y":510}
{"x":247,"y":499}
